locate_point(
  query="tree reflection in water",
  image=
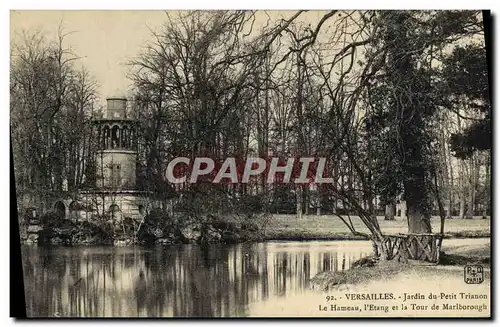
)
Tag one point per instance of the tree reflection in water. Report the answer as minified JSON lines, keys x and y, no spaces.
{"x":140,"y":289}
{"x":173,"y":281}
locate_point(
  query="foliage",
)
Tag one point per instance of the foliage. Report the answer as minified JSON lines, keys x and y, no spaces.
{"x":465,"y":84}
{"x":367,"y":90}
{"x":404,"y":101}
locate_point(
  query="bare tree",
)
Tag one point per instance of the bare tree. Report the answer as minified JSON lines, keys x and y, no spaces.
{"x":50,"y":100}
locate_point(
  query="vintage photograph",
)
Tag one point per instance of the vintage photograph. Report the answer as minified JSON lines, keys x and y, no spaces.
{"x":252,"y":163}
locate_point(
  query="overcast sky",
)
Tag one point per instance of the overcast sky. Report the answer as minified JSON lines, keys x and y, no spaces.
{"x":106,"y":39}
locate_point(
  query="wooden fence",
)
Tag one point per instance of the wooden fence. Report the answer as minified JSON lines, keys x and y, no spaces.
{"x":423,"y":247}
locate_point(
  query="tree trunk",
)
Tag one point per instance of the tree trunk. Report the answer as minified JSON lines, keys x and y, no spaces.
{"x":461,"y":190}
{"x":299,"y":198}
{"x":461,"y":213}
{"x":450,"y":193}
{"x":419,"y":219}
{"x":487,"y":185}
{"x":448,"y":208}
{"x":371,"y":208}
{"x":447,"y":176}
{"x":472,"y":187}
{"x":380,"y":250}
{"x":305,"y":199}
{"x":470,"y":205}
{"x":402,"y":208}
{"x":318,"y":201}
{"x":390,"y":212}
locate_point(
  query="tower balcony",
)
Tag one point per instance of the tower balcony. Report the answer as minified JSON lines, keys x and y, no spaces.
{"x":113,"y":134}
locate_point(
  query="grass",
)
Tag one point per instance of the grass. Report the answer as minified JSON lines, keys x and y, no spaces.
{"x":288,"y":227}
{"x":452,"y":260}
{"x":466,"y":254}
{"x":453,"y":257}
{"x":327,"y":280}
{"x":382,"y":272}
{"x":483,"y":250}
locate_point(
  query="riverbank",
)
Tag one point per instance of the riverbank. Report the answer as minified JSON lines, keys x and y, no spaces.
{"x":331,"y":228}
{"x":452,"y":260}
{"x":158,"y":230}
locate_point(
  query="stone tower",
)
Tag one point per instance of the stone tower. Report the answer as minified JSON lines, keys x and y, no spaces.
{"x":115,"y":194}
{"x":117,"y":149}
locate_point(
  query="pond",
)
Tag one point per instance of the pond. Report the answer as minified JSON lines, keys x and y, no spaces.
{"x":184,"y":280}
{"x":175,"y":281}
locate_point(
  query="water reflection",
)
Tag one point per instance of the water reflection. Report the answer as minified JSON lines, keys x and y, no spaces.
{"x":174,"y":281}
{"x":141,"y":290}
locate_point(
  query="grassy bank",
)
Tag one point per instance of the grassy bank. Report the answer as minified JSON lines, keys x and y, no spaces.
{"x":288,"y":227}
{"x":383,"y":272}
{"x":374,"y":271}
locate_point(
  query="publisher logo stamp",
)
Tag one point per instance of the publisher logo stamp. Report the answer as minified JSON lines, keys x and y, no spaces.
{"x":473,"y":274}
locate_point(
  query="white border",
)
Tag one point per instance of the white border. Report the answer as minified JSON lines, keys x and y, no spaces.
{"x":261,"y":4}
{"x":7,"y":5}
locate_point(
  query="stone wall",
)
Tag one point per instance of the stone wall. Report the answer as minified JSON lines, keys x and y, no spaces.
{"x":116,"y":108}
{"x":116,"y":169}
{"x":121,"y":205}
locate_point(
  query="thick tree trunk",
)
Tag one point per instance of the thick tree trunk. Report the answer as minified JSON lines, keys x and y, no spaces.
{"x":390,"y":212}
{"x":419,"y":218}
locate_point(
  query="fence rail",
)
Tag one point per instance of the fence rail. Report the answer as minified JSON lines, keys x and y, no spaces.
{"x":422,"y":247}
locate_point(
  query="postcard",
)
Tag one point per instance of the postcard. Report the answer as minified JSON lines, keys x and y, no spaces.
{"x":252,"y":163}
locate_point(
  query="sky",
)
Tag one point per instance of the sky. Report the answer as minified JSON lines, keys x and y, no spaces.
{"x":106,"y":40}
